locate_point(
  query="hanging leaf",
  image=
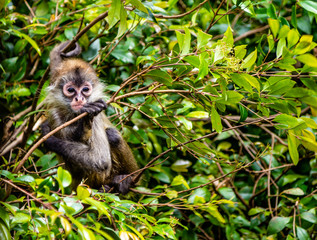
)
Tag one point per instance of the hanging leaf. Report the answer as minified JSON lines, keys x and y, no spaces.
{"x":292,"y":147}
{"x":114,"y":13}
{"x":30,"y":40}
{"x":274,"y":26}
{"x":292,"y":38}
{"x":123,"y":26}
{"x":215,"y":120}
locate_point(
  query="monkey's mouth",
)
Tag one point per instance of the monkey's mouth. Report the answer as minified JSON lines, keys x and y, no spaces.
{"x":77,"y":107}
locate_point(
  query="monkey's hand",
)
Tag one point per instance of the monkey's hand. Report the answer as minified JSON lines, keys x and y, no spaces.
{"x":122,"y":186}
{"x":45,"y":128}
{"x":94,"y":108}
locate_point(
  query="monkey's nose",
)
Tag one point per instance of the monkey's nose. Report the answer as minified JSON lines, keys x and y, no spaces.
{"x":80,"y":99}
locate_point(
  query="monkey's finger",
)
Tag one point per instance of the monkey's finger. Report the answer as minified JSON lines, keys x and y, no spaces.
{"x":102,"y":103}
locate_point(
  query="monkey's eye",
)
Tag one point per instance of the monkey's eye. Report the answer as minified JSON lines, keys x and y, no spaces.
{"x":85,"y":89}
{"x":71,"y":90}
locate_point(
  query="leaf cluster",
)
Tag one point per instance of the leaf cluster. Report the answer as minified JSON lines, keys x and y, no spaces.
{"x":217,"y":100}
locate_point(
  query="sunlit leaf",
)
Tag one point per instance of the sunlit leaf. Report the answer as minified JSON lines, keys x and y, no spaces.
{"x":249,"y":60}
{"x":114,"y":13}
{"x":202,"y":39}
{"x":274,"y":26}
{"x":294,"y":191}
{"x":215,"y":120}
{"x":308,"y":59}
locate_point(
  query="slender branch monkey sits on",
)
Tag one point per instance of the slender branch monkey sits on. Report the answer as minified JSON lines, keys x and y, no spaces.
{"x":91,"y":148}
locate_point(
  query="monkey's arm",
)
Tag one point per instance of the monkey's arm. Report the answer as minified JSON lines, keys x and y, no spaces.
{"x":76,"y":153}
{"x":123,"y":158}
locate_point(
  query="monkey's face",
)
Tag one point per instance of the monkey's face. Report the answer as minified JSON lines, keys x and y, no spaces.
{"x":77,"y":95}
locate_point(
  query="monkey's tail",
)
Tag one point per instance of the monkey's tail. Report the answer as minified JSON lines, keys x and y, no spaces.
{"x":57,"y":54}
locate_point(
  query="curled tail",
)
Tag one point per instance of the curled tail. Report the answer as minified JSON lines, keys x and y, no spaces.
{"x":56,"y":55}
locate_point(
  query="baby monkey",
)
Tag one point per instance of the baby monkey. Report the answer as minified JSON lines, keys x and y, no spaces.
{"x":91,"y":148}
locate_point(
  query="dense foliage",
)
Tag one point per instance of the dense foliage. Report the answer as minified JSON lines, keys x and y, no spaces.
{"x":217,"y":99}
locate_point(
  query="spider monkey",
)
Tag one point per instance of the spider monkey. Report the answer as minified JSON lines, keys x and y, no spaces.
{"x":91,"y":148}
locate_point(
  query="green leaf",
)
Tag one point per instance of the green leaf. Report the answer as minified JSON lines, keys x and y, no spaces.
{"x":246,"y":81}
{"x":203,"y":66}
{"x":21,"y":218}
{"x":274,"y":25}
{"x":21,"y":92}
{"x":228,"y":37}
{"x":64,"y":176}
{"x":114,"y":13}
{"x":4,"y":231}
{"x":277,"y":224}
{"x":178,"y":180}
{"x":181,"y":165}
{"x":309,"y":217}
{"x":123,"y":26}
{"x":4,"y":216}
{"x":186,"y":42}
{"x":230,"y":97}
{"x":240,"y":51}
{"x":281,"y":87}
{"x":302,"y":233}
{"x":309,"y":143}
{"x":171,"y":194}
{"x":271,"y":11}
{"x":82,"y":192}
{"x":160,"y":76}
{"x":292,"y":147}
{"x":138,"y":5}
{"x":254,"y":211}
{"x":283,"y":32}
{"x":304,"y":44}
{"x":30,"y":40}
{"x":215,"y":120}
{"x":243,"y":113}
{"x":198,"y":114}
{"x":193,"y":60}
{"x":280,"y":46}
{"x":202,"y":39}
{"x":271,"y":42}
{"x":308,"y":59}
{"x":101,"y":207}
{"x":42,"y":9}
{"x":249,"y":60}
{"x":200,"y":195}
{"x":239,"y":80}
{"x":310,"y":6}
{"x":310,"y":123}
{"x":294,"y":191}
{"x":294,"y":17}
{"x":289,"y":121}
{"x":292,"y":38}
